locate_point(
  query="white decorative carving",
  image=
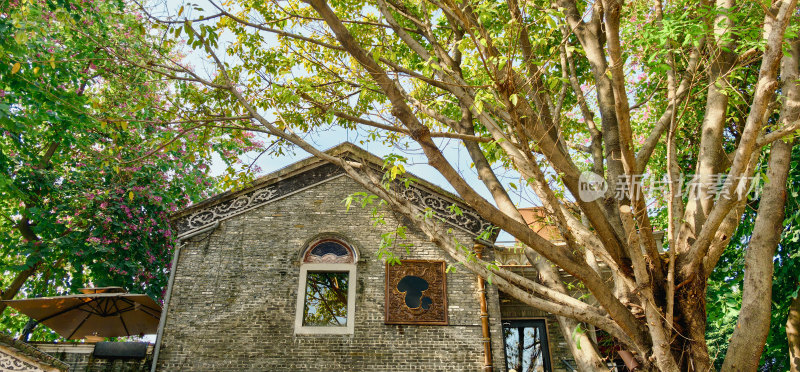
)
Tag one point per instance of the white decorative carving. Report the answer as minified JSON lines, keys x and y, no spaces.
{"x":329,"y":258}
{"x":511,"y":256}
{"x":467,"y":219}
{"x":207,"y":216}
{"x":11,"y":363}
{"x":230,"y":207}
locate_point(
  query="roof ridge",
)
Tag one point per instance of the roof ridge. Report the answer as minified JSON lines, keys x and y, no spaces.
{"x":284,"y":182}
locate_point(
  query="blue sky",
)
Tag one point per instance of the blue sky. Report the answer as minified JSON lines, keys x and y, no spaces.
{"x":417,"y":163}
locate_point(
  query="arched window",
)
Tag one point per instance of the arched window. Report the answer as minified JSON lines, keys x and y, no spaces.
{"x":326,"y":293}
{"x":329,"y":251}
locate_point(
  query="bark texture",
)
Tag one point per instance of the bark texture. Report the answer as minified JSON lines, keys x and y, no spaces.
{"x":793,"y":334}
{"x":752,"y":327}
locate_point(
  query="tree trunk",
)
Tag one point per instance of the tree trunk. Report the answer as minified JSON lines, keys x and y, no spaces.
{"x":26,"y":230}
{"x":793,"y":334}
{"x":752,"y":327}
{"x":691,"y":351}
{"x":15,"y":285}
{"x":587,"y":357}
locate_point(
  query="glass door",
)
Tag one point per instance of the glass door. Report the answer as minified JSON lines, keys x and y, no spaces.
{"x":526,"y":345}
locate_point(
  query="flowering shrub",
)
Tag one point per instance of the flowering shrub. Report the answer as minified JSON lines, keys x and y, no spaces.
{"x":93,"y":156}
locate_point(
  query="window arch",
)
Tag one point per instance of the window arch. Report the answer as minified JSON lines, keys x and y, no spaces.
{"x":329,"y":251}
{"x":326,"y":290}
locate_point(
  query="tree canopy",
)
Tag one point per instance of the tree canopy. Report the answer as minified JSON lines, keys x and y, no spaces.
{"x":622,"y":118}
{"x":692,"y":96}
{"x":90,"y":168}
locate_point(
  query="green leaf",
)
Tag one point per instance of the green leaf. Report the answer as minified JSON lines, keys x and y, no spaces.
{"x":575,"y":335}
{"x":20,"y":37}
{"x":187,"y":27}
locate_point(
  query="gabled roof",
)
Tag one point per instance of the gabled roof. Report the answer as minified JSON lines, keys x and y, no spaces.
{"x":313,"y":171}
{"x":27,"y":357}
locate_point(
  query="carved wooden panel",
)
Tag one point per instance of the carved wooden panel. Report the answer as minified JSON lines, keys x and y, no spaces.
{"x":416,"y":293}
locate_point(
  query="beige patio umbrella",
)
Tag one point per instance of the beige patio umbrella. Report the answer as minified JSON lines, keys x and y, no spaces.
{"x":103,"y":312}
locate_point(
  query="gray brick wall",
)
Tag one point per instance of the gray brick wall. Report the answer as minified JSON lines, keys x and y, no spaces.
{"x":79,"y":357}
{"x":235,"y":292}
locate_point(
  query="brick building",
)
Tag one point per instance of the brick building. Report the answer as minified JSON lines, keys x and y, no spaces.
{"x":280,"y":276}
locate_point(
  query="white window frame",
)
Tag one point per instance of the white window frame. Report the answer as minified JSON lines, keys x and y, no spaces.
{"x":349,"y":328}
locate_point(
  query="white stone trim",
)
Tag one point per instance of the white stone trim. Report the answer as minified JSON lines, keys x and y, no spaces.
{"x":299,"y":328}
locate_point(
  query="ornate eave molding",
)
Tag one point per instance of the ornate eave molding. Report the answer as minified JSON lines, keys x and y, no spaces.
{"x":467,"y":219}
{"x":424,"y":198}
{"x":261,"y":195}
{"x":11,"y":362}
{"x":16,"y":355}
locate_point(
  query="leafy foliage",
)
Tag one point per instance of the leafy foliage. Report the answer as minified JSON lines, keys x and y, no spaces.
{"x":518,"y":84}
{"x":92,"y":164}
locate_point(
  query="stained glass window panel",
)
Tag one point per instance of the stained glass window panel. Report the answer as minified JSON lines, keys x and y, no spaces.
{"x":329,"y":251}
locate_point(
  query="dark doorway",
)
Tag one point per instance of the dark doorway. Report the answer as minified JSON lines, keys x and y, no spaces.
{"x":526,"y":345}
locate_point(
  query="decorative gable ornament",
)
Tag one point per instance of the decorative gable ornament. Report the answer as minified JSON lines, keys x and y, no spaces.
{"x":311,"y":172}
{"x":16,"y":356}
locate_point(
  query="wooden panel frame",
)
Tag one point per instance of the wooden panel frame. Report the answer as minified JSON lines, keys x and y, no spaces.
{"x":396,"y":310}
